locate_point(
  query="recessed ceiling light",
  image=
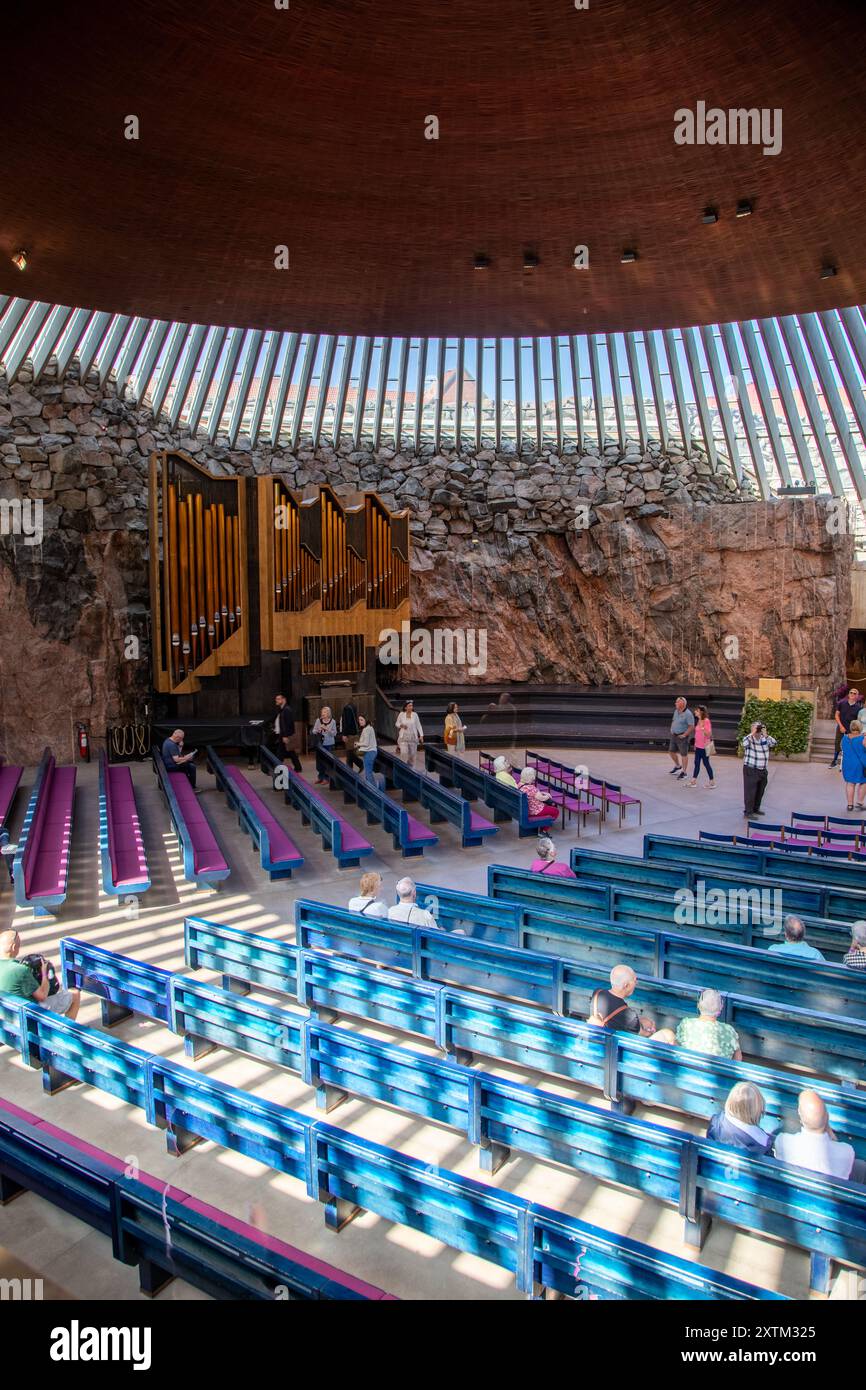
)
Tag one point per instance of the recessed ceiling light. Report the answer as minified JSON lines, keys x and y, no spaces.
{"x":628,"y":256}
{"x":710,"y":215}
{"x":828,"y":271}
{"x":20,"y":259}
{"x":481,"y":261}
{"x":530,"y":260}
{"x":744,"y":208}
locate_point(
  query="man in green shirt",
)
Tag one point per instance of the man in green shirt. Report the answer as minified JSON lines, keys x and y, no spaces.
{"x":18,"y":980}
{"x":706,"y":1034}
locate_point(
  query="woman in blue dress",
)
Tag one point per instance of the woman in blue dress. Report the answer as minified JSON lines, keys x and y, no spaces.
{"x":854,"y":765}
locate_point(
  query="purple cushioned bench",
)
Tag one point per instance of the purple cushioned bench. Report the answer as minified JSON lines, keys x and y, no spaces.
{"x":208,"y":861}
{"x":230,"y":1224}
{"x":42,"y":862}
{"x":348,"y":844}
{"x":279,"y":853}
{"x":10,"y":778}
{"x":124,"y":863}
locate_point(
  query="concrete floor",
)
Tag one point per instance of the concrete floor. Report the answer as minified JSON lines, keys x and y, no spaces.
{"x":75,"y":1262}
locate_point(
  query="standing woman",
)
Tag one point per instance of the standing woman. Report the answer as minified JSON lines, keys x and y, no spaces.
{"x":367,"y":747}
{"x":854,"y":764}
{"x":324,"y":733}
{"x":704,"y":745}
{"x":455,"y":730}
{"x":409,"y":733}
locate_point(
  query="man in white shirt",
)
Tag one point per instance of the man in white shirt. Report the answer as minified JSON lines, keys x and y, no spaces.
{"x":815,"y":1146}
{"x":367,"y":903}
{"x":407,"y":910}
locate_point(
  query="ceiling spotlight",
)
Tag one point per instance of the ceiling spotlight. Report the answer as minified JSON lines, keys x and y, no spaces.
{"x":710,"y":215}
{"x":828,"y":270}
{"x":628,"y":256}
{"x":744,"y":208}
{"x":20,"y":259}
{"x":530,"y":260}
{"x":481,"y":261}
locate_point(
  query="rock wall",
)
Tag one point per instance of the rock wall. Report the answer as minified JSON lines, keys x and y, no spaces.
{"x":625,"y":566}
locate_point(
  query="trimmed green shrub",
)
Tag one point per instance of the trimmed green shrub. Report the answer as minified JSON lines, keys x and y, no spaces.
{"x":787,"y":721}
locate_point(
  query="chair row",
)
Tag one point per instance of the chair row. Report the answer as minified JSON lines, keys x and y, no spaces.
{"x":122,"y":857}
{"x":608,"y":794}
{"x":806,"y":869}
{"x":700,"y":1177}
{"x":567,"y":796}
{"x":41,"y":866}
{"x":279,"y":856}
{"x":163,"y":1230}
{"x":409,"y":835}
{"x":544,"y":1249}
{"x":694,"y":862}
{"x":507,"y":803}
{"x":440,"y":803}
{"x":204,"y":863}
{"x":338,"y":834}
{"x":828,"y":1044}
{"x":765,"y":836}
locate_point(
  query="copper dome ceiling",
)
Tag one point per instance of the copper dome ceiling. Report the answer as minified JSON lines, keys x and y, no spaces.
{"x":305,"y":127}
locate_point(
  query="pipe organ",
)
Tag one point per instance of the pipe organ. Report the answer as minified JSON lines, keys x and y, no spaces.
{"x":328,"y":567}
{"x":198,"y":579}
{"x":332,"y":573}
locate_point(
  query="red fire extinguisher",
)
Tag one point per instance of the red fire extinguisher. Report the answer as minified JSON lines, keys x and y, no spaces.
{"x":83,"y":742}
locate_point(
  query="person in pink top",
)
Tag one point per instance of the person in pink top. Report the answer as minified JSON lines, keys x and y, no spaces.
{"x":703,"y":745}
{"x":546,"y":861}
{"x":538,"y":799}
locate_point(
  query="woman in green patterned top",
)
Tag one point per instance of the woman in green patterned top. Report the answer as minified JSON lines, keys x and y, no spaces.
{"x":706,"y":1034}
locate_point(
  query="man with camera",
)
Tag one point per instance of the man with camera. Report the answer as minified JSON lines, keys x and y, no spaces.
{"x":756,"y":756}
{"x":33,"y":978}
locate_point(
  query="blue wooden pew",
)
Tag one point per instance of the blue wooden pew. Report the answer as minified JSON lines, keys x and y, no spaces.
{"x":349,"y":1175}
{"x":820,"y":987}
{"x":501,"y":1116}
{"x":408,"y":835}
{"x":620,"y":1065}
{"x":124,"y":985}
{"x":122,"y":857}
{"x":751,"y":911}
{"x":167,"y":1233}
{"x":441,"y":803}
{"x":346,"y":844}
{"x":507,"y":803}
{"x":40,"y":868}
{"x":279,"y":856}
{"x":802,"y":869}
{"x":830,"y":1044}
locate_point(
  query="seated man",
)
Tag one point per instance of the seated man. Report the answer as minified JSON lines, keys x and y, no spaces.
{"x":175,"y":759}
{"x":856,"y":957}
{"x":795,"y":943}
{"x":609,"y":1009}
{"x":706,"y":1034}
{"x":18,"y":979}
{"x":407,"y":910}
{"x":739,"y":1124}
{"x":816,"y":1146}
{"x":367,"y":902}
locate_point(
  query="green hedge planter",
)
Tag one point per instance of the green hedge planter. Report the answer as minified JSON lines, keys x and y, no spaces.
{"x":787,"y":721}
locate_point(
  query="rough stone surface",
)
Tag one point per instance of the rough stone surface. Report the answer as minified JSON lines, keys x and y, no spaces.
{"x":628,"y":566}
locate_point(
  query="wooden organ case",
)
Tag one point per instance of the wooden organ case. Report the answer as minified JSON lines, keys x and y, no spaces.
{"x":198,"y":573}
{"x":246,"y":573}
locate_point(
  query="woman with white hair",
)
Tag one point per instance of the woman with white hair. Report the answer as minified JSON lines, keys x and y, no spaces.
{"x":502,"y":771}
{"x":539,"y":800}
{"x":547,"y":863}
{"x":739,"y":1124}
